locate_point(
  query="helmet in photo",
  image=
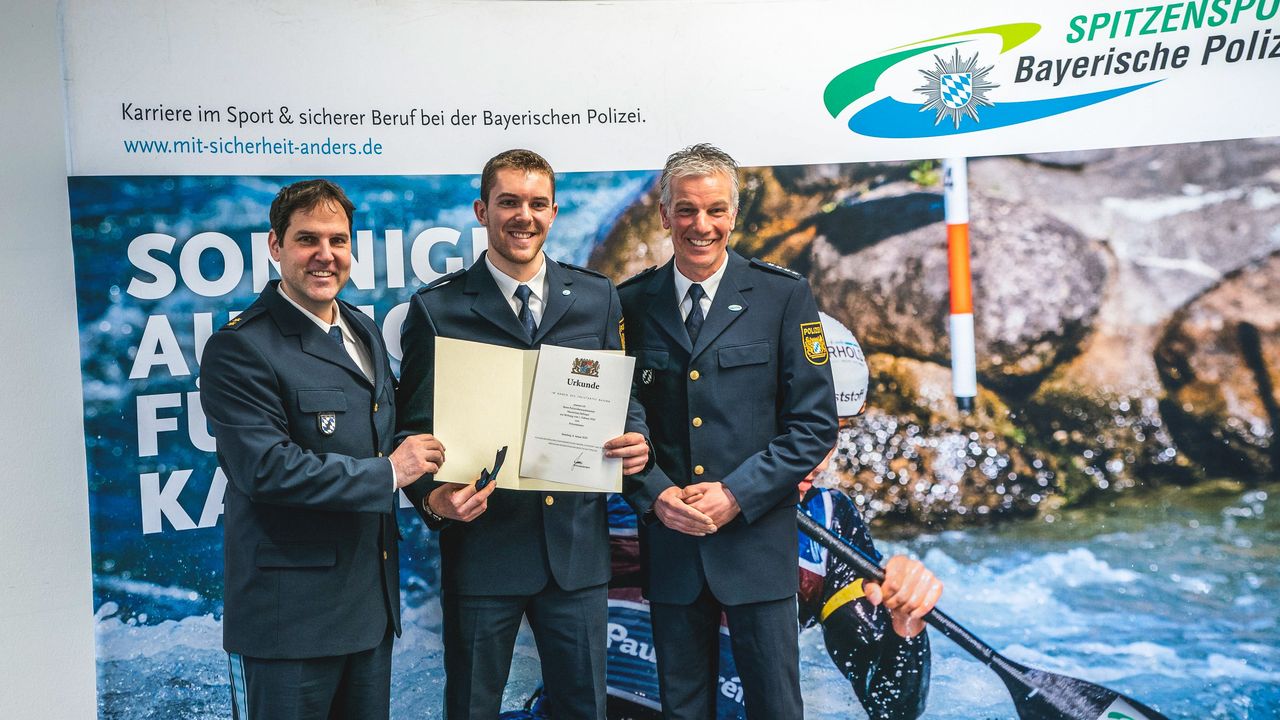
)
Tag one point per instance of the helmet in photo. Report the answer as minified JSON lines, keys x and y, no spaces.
{"x":848,"y":366}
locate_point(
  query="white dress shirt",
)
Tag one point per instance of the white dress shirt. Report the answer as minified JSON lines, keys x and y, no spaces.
{"x":709,"y":287}
{"x":537,"y":288}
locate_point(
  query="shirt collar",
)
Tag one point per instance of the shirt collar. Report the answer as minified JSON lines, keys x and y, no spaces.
{"x":709,"y":286}
{"x":324,"y":326}
{"x":507,"y":285}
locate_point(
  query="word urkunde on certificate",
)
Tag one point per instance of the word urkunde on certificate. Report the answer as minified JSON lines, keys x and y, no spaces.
{"x":579,"y":401}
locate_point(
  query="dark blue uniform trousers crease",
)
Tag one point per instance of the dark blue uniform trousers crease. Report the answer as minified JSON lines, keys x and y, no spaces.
{"x":765,"y":641}
{"x":569,"y":628}
{"x":356,"y":686}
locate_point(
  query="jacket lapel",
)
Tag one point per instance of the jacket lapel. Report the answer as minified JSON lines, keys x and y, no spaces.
{"x":663,"y":308}
{"x":559,"y":298}
{"x":729,"y":295}
{"x":371,"y":340}
{"x":312,"y":341}
{"x":489,"y":303}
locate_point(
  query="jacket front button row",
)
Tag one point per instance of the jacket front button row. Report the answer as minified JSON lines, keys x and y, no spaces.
{"x":550,"y":500}
{"x":698,"y":470}
{"x":694,"y":375}
{"x":697,"y":422}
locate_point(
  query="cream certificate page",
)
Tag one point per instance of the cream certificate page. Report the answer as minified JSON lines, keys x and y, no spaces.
{"x":579,"y":401}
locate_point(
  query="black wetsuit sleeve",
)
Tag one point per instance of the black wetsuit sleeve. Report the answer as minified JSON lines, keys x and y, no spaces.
{"x":889,"y":674}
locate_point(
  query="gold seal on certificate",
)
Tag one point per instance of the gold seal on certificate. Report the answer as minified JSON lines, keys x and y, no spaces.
{"x":554,"y":408}
{"x":579,"y":401}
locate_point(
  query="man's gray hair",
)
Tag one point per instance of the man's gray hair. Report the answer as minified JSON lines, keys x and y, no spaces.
{"x":696,"y":161}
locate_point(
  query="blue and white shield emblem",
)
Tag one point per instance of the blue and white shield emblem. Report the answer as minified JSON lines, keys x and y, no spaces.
{"x":328,"y":422}
{"x":957,"y":89}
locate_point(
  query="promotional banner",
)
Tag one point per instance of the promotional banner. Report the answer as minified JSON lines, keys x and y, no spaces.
{"x":404,"y":87}
{"x":186,"y":118}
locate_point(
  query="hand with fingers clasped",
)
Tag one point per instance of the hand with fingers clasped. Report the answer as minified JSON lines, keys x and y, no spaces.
{"x":714,"y":500}
{"x":460,"y":502}
{"x":909,"y":592}
{"x":675,"y":513}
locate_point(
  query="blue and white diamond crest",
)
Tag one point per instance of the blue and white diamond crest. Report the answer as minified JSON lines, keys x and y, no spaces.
{"x":955,"y":88}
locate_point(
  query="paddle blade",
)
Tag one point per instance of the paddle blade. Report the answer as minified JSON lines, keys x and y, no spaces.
{"x":1041,"y":695}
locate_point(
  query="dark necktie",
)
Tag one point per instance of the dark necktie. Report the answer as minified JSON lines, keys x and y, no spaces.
{"x":693,"y":323}
{"x":526,"y":315}
{"x":336,"y":334}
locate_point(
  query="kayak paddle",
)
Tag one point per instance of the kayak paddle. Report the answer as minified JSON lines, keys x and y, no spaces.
{"x":1037,"y":694}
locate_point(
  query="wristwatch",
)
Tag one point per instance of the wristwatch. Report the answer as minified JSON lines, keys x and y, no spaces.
{"x":434,"y":520}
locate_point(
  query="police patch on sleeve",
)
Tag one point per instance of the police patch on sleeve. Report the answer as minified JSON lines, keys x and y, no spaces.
{"x":815,"y":344}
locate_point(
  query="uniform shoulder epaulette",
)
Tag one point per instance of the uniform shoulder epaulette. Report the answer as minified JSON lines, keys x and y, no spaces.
{"x":443,"y":280}
{"x":634,"y":278}
{"x":778,"y":269}
{"x":243,"y":318}
{"x":584,"y":270}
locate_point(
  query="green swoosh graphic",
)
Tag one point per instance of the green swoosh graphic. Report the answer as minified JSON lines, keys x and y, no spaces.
{"x":1013,"y":34}
{"x":860,"y":80}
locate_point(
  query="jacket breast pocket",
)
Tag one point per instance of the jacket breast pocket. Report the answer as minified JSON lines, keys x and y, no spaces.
{"x":581,"y":342}
{"x":318,"y":400}
{"x":757,"y":353}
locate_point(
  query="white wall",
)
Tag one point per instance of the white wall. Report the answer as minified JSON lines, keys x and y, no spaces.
{"x":46,"y":628}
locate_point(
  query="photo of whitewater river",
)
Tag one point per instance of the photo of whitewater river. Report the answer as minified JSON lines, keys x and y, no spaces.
{"x":1170,"y":599}
{"x":1107,"y":511}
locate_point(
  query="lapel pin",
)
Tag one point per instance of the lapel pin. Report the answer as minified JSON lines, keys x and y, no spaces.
{"x":564,"y":291}
{"x":735,"y":308}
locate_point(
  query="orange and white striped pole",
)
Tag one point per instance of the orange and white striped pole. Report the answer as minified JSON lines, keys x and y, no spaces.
{"x":964,"y":359}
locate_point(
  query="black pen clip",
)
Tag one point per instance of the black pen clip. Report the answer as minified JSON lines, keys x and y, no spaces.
{"x":487,"y":476}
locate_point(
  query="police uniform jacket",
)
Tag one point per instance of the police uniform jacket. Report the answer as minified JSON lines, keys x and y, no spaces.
{"x":750,"y":404}
{"x":524,"y":538}
{"x":312,"y":568}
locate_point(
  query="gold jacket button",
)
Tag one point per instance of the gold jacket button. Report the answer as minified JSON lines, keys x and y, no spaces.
{"x":379,"y":453}
{"x":698,"y":470}
{"x":384,"y":554}
{"x":697,"y":422}
{"x":550,"y":500}
{"x":375,"y":407}
{"x":694,"y":374}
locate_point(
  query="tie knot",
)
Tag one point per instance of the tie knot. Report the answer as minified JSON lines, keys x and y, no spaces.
{"x":522,"y":293}
{"x":336,"y":333}
{"x":696,"y":293}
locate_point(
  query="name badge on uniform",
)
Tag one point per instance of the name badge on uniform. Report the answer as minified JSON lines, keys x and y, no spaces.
{"x":327,"y":422}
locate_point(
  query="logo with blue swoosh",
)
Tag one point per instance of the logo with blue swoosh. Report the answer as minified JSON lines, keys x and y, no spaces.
{"x":956,"y":89}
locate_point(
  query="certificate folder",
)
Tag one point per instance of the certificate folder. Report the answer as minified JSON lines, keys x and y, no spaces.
{"x":482,"y":400}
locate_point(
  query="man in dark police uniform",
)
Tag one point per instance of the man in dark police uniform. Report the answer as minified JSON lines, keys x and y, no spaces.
{"x":507,"y":553}
{"x":299,"y":394}
{"x":733,"y":377}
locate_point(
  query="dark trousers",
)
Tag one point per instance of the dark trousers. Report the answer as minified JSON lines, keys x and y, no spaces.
{"x":569,"y":629}
{"x":342,"y":687}
{"x":766,"y":651}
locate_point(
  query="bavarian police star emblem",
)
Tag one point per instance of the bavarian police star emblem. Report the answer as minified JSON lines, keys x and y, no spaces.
{"x":815,"y":343}
{"x":328,"y":422}
{"x":646,"y":376}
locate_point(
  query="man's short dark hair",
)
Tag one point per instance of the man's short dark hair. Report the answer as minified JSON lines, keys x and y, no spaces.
{"x":305,"y":195}
{"x":525,"y":160}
